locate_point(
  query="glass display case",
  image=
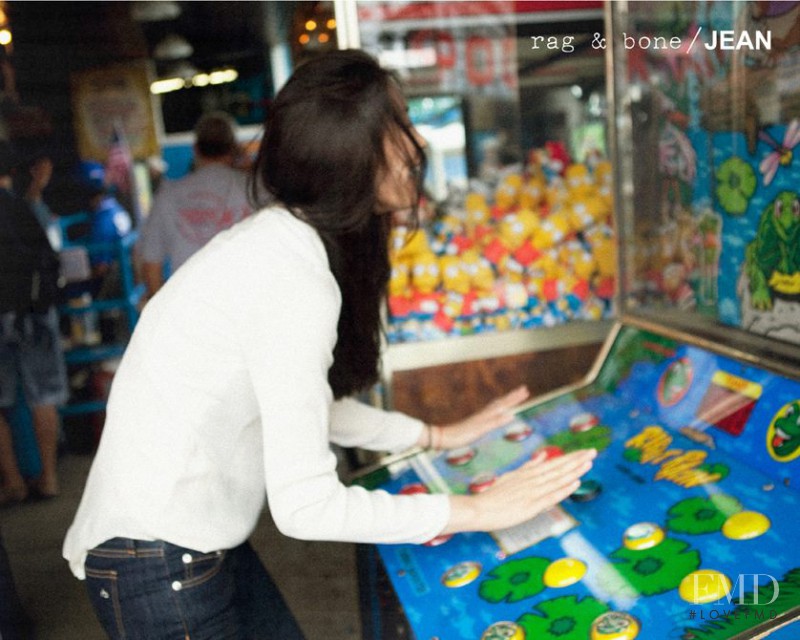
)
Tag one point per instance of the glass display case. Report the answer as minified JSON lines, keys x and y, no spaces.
{"x":707,"y":121}
{"x":518,"y":231}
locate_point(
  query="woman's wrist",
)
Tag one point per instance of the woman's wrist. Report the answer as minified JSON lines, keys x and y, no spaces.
{"x":436,"y":437}
{"x":431,"y":437}
{"x":465,"y":514}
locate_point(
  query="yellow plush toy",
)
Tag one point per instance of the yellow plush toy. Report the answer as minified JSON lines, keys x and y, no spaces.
{"x":555,"y":194}
{"x":532,"y":194}
{"x":406,"y":244}
{"x":579,"y":181}
{"x":512,"y":270}
{"x":507,"y":194}
{"x":455,"y":278}
{"x":516,"y":228}
{"x":600,"y":239}
{"x":548,"y":265}
{"x":479,"y":270}
{"x":577,"y":260}
{"x":587,"y":211}
{"x":605,"y":256}
{"x":553,"y":230}
{"x":425,"y":273}
{"x":476,"y":211}
{"x":399,"y":279}
{"x":604,"y":179}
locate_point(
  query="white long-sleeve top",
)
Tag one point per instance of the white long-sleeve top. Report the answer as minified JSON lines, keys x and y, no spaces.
{"x":222,"y":399}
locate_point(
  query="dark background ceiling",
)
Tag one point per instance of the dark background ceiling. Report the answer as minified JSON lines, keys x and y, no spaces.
{"x":53,"y":40}
{"x":96,"y":33}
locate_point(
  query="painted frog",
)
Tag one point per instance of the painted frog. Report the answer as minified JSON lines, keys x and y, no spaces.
{"x":776,"y":248}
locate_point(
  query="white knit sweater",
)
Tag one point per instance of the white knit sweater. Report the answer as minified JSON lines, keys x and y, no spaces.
{"x":222,"y":399}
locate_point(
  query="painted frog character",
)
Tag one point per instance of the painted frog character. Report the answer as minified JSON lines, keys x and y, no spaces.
{"x":786,"y":436}
{"x":776,"y":248}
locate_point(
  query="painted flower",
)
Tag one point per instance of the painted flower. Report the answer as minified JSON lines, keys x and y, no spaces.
{"x":565,"y":618}
{"x":650,"y":571}
{"x":514,"y":580}
{"x":736,"y":183}
{"x":702,"y":514}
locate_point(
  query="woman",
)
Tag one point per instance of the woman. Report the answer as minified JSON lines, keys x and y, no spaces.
{"x":238,"y":376}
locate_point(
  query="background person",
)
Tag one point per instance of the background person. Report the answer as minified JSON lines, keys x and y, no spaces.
{"x":30,"y":340}
{"x":239,"y":376}
{"x":187,"y":213}
{"x":109,"y":220}
{"x":31,"y":180}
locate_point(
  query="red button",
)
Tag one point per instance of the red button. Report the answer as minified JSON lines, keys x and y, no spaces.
{"x":481,"y":482}
{"x":550,"y":451}
{"x":411,"y":489}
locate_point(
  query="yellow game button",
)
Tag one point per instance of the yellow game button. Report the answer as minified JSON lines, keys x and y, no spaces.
{"x":704,"y":586}
{"x":564,"y":572}
{"x":615,"y":625}
{"x":461,"y":574}
{"x":503,"y":631}
{"x":745,"y":525}
{"x":643,"y":535}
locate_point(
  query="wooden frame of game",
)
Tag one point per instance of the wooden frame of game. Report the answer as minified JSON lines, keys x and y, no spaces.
{"x":683,"y":528}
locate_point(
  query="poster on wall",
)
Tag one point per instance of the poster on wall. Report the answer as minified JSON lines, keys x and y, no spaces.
{"x":715,"y":89}
{"x":112,"y":101}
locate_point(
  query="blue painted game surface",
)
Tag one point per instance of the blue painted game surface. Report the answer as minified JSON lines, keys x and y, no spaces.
{"x":689,"y":442}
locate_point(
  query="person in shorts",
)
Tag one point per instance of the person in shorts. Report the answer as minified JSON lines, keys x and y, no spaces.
{"x":31,"y":357}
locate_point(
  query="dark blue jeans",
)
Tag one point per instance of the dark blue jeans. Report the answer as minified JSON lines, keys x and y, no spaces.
{"x":158,"y":591}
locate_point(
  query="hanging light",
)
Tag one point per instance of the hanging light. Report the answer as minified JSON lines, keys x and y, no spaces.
{"x":154,"y":10}
{"x":184,"y":75}
{"x":173,"y":47}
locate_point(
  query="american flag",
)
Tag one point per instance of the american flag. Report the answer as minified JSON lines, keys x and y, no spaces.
{"x":119,"y":163}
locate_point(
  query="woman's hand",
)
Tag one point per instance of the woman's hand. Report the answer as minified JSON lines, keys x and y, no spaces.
{"x":460,"y":434}
{"x":519,"y":495}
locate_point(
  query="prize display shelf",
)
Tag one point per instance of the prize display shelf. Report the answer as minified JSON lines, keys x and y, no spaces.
{"x":123,"y":302}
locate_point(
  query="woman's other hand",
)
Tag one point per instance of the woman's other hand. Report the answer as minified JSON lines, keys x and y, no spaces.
{"x":459,"y":434}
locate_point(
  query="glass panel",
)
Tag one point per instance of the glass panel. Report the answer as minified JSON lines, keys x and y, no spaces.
{"x":708,"y":110}
{"x":510,"y":97}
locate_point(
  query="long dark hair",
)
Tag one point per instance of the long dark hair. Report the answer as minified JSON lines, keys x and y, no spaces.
{"x":322,"y":149}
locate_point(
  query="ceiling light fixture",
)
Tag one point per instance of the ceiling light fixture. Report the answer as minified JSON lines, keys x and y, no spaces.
{"x":184,"y":76}
{"x":155,"y":10}
{"x":173,"y":47}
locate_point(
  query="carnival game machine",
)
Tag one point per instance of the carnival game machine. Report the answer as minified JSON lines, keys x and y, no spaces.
{"x":685,"y":527}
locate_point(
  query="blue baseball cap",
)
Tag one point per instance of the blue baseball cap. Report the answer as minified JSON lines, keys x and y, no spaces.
{"x":92,"y":175}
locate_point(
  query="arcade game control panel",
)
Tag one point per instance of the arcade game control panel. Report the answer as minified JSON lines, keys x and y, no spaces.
{"x":683,"y":529}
